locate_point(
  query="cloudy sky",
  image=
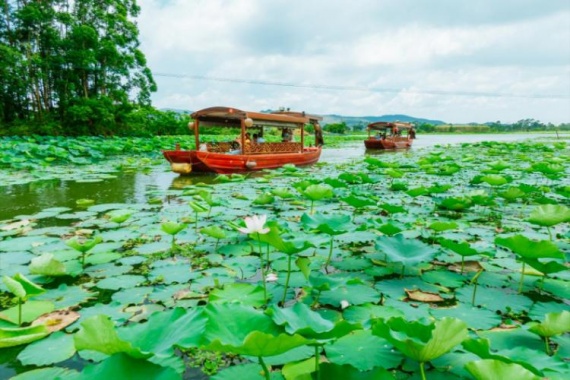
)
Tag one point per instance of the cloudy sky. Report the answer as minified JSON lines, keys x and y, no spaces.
{"x":457,"y":61}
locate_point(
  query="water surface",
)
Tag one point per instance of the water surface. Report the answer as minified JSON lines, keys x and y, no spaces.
{"x":27,"y":199}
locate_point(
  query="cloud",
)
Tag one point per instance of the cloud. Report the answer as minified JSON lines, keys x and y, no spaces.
{"x":457,"y":61}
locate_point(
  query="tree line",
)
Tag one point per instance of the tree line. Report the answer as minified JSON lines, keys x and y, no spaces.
{"x":74,"y":67}
{"x":524,"y":125}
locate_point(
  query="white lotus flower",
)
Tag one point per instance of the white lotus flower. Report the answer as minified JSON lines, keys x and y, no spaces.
{"x":344,"y":304}
{"x":271,"y":277}
{"x":255,"y":224}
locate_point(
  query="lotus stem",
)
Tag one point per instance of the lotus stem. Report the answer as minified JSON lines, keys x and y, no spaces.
{"x":287,"y":279}
{"x":522,"y":278}
{"x":173,"y":245}
{"x":422,"y":370}
{"x":474,"y":292}
{"x":312,"y":206}
{"x":19,"y":312}
{"x":462,"y":264}
{"x":262,"y":271}
{"x":267,"y":258}
{"x":264,"y":366}
{"x":83,"y":260}
{"x":330,"y":255}
{"x":317,"y":354}
{"x":547,"y":345}
{"x":549,"y":233}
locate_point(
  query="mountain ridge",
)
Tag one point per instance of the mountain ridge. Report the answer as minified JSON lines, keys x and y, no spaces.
{"x":351,"y":120}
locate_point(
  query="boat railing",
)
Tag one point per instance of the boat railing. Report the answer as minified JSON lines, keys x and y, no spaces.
{"x":273,"y":147}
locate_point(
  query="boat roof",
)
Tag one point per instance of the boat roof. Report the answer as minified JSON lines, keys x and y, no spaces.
{"x":232,"y":117}
{"x":379,"y":125}
{"x":313,"y":118}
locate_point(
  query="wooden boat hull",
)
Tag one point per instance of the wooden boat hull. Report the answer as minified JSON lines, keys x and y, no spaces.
{"x":186,"y":161}
{"x":388,"y":143}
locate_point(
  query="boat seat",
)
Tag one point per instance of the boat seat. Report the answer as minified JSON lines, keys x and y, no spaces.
{"x":219,"y":147}
{"x":273,"y":147}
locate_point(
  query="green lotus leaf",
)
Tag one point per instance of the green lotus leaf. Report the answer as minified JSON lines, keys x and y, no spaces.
{"x":363,"y":350}
{"x":230,"y":323}
{"x":494,"y":179}
{"x":499,"y":165}
{"x":260,"y":344}
{"x":358,"y":202}
{"x":553,"y":324}
{"x":47,"y":265}
{"x":331,"y":225}
{"x":119,"y":216}
{"x":98,"y":333}
{"x":417,"y":191}
{"x":21,"y":287}
{"x":455,"y":203}
{"x":318,"y":192}
{"x":530,"y":249}
{"x":197,"y":207}
{"x":240,"y":371}
{"x":438,"y":189}
{"x":419,"y":341}
{"x":300,"y":319}
{"x":335,"y":183}
{"x":348,"y":372}
{"x":214,"y":231}
{"x":289,"y":247}
{"x":48,"y":373}
{"x":121,"y":366}
{"x":404,"y":250}
{"x":54,"y":349}
{"x":549,"y":215}
{"x":172,"y":228}
{"x":491,"y":369}
{"x":389,"y":229}
{"x":84,"y":202}
{"x":282,"y":192}
{"x":463,"y":248}
{"x":512,"y":193}
{"x":10,"y":337}
{"x":246,"y":294}
{"x":167,"y":330}
{"x":394,"y":173}
{"x":392,"y":209}
{"x":443,"y":226}
{"x":264,"y":199}
{"x":84,"y":245}
{"x":548,"y":267}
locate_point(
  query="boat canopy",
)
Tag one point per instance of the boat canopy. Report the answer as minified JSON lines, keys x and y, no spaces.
{"x":381,"y":125}
{"x":233,"y":117}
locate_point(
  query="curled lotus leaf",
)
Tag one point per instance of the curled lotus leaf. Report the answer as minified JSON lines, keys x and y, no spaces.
{"x":549,"y":215}
{"x":495,"y":369}
{"x":553,"y":324}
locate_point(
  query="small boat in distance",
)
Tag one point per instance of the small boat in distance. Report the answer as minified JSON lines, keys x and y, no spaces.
{"x":245,"y":153}
{"x":390,"y":135}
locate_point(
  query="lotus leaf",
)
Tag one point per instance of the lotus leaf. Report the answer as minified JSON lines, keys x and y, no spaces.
{"x":419,"y":341}
{"x":98,"y":333}
{"x":54,"y":349}
{"x":491,"y":369}
{"x":403,"y":250}
{"x":550,"y":215}
{"x":363,"y":350}
{"x":121,"y":366}
{"x":10,"y":337}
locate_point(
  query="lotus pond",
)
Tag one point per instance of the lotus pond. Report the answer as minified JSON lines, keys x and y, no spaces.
{"x":441,"y":263}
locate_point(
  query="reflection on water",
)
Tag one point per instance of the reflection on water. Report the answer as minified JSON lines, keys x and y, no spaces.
{"x":30,"y":198}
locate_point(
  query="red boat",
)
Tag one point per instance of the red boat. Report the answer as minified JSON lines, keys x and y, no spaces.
{"x":246,"y":154}
{"x":390,"y":135}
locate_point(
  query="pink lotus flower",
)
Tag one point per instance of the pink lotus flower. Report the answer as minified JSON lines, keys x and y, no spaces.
{"x":255,"y":224}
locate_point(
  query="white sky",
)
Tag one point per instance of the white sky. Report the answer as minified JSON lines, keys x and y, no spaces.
{"x":452,"y":60}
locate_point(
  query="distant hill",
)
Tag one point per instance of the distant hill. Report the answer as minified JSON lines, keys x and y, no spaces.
{"x":365,"y":120}
{"x":350,"y":121}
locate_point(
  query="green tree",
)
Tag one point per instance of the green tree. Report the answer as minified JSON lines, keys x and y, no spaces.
{"x":336,"y":127}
